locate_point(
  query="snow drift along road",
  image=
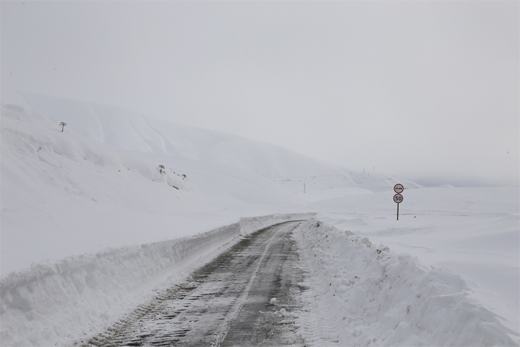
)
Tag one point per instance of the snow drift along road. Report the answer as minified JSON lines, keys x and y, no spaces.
{"x":366,"y":295}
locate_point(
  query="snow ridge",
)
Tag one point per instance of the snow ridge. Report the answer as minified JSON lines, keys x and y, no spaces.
{"x":369,"y":296}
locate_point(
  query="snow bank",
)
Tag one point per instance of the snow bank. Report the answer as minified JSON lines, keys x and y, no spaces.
{"x":56,"y":303}
{"x":368,"y":295}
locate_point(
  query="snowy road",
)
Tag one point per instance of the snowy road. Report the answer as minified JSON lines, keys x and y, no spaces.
{"x":228,"y":302}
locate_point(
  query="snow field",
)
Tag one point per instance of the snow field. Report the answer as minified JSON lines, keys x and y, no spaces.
{"x":362,"y":295}
{"x":90,"y":210}
{"x":57,"y":303}
{"x":472,"y":231}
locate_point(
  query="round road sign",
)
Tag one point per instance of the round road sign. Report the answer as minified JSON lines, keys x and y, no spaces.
{"x":398,"y":188}
{"x":398,"y":198}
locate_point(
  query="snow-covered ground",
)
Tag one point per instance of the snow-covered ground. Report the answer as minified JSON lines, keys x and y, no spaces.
{"x":92,"y":195}
{"x":473,"y":232}
{"x":362,"y":294}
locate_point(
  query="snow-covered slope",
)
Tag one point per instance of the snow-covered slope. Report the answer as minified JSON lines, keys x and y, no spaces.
{"x":76,"y":195}
{"x":130,"y":131}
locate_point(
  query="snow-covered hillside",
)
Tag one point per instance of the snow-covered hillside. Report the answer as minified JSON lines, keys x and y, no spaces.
{"x":130,"y":131}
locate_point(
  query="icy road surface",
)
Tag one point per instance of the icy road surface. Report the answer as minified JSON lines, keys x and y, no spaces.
{"x":246,"y":297}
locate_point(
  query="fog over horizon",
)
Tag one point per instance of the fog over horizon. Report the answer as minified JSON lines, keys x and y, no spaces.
{"x":428,"y":91}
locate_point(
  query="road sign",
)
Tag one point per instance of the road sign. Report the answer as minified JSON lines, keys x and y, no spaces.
{"x":398,"y":198}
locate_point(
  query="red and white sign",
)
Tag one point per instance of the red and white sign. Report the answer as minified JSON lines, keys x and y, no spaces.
{"x":398,"y":188}
{"x":398,"y":198}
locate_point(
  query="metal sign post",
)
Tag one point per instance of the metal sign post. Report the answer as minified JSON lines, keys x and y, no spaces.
{"x":398,"y":198}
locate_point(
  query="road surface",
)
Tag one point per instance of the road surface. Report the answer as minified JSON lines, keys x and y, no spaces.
{"x":248,"y":296}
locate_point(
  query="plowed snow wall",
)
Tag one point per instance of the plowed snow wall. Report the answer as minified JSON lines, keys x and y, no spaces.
{"x":373,"y":296}
{"x":55,"y":303}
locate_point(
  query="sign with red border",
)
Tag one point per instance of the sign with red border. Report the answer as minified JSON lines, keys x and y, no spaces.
{"x":398,"y":198}
{"x":398,"y":188}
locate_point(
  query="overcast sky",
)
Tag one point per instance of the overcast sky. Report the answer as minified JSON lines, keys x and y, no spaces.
{"x":428,"y":91}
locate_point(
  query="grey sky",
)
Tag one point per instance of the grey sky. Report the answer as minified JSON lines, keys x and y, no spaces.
{"x":428,"y":91}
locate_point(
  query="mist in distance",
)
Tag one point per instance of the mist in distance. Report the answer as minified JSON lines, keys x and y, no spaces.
{"x":428,"y":91}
